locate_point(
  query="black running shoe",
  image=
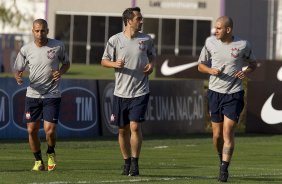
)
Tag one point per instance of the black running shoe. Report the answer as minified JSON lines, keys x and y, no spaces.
{"x":223,"y":176}
{"x":126,"y":168}
{"x":134,"y":169}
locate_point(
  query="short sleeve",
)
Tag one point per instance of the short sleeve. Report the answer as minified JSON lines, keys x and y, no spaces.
{"x":248,"y":52}
{"x":64,"y":59}
{"x":151,"y":52}
{"x":21,"y":60}
{"x":109,"y":52}
{"x":205,"y":56}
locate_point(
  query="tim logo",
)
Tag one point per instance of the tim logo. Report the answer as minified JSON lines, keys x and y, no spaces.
{"x":107,"y":103}
{"x":51,"y":54}
{"x":78,"y":109}
{"x":4,"y":109}
{"x":235,"y":52}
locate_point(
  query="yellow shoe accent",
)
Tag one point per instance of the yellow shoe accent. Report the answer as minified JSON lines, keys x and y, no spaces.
{"x":38,"y":166}
{"x":51,"y":162}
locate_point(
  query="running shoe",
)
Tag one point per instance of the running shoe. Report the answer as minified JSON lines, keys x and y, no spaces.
{"x":126,"y":168}
{"x":38,"y":166}
{"x":134,"y":169}
{"x":51,"y":162}
{"x":223,"y":176}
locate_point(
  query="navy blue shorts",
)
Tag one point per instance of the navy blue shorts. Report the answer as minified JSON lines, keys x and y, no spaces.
{"x":42,"y":108}
{"x":129,"y":109}
{"x":230,"y":105}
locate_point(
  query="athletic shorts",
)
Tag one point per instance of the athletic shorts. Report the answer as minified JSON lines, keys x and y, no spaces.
{"x":42,"y":108}
{"x":230,"y":105}
{"x":129,"y":109}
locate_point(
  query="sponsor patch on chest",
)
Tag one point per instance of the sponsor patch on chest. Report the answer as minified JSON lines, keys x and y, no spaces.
{"x":235,"y":52}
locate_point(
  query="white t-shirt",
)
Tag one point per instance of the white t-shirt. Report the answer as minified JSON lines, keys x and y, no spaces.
{"x":229,"y":58}
{"x":130,"y":80}
{"x":41,"y":61}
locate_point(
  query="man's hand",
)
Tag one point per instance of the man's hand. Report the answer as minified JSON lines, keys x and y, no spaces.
{"x":18,"y":77}
{"x":214,"y":71}
{"x":56,"y":75}
{"x":148,"y":69}
{"x":119,"y":63}
{"x":240,"y":74}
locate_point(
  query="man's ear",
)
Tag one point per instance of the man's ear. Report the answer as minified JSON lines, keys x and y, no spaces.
{"x":128,"y":22}
{"x":228,"y":30}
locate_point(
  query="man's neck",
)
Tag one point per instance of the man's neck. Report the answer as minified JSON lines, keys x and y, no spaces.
{"x":41,"y":43}
{"x":130,"y":33}
{"x":228,"y":39}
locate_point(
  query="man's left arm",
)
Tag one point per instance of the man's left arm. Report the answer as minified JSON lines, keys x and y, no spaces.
{"x":58,"y":73}
{"x":148,"y":69}
{"x":64,"y":60}
{"x":64,"y":68}
{"x":251,"y":67}
{"x":250,"y":59}
{"x":151,"y":52}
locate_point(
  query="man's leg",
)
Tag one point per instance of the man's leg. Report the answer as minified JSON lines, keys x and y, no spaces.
{"x":34,"y":143}
{"x":124,"y":143}
{"x":228,"y":147}
{"x":217,"y":129}
{"x":228,"y":137}
{"x":136,"y":138}
{"x":50,"y":131}
{"x":135,"y":142}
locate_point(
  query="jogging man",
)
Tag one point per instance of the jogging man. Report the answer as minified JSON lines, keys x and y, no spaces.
{"x":43,"y":58}
{"x":228,"y":54}
{"x":131,"y":54}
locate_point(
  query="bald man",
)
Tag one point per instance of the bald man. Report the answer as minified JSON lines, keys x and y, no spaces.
{"x":228,"y":54}
{"x":47,"y":61}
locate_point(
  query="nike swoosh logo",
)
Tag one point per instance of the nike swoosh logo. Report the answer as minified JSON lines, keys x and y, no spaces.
{"x":270,"y":115}
{"x":279,"y":74}
{"x":167,"y":70}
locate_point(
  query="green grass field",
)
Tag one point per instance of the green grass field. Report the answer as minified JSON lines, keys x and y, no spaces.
{"x":179,"y":160}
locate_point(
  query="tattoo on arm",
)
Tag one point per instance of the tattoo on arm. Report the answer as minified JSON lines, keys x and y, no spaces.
{"x":228,"y":150}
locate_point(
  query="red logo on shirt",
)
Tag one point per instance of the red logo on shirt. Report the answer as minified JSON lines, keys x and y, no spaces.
{"x":235,"y":52}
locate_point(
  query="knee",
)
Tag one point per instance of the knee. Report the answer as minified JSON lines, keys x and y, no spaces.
{"x":32,"y":131}
{"x":135,"y":127}
{"x":49,"y":132}
{"x":217,"y":135}
{"x":121,"y":131}
{"x":228,"y":139}
{"x":124,"y":131}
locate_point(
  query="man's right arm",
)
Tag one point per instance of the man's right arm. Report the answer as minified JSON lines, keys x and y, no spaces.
{"x":109,"y":59}
{"x":110,"y":64}
{"x":19,"y":67}
{"x":205,"y":69}
{"x":18,"y":77}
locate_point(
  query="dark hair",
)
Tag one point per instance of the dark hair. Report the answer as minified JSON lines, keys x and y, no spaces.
{"x":40,"y":21}
{"x":128,"y":14}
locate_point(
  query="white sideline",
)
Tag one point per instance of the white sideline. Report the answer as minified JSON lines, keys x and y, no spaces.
{"x":155,"y":179}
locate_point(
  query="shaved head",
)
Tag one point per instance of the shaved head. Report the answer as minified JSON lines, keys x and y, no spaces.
{"x":41,"y":22}
{"x":223,"y":29}
{"x":227,"y":21}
